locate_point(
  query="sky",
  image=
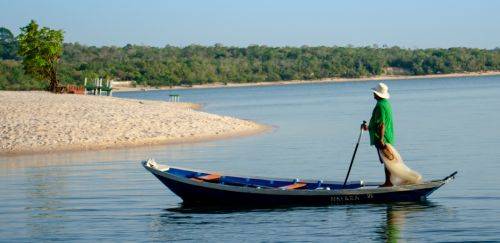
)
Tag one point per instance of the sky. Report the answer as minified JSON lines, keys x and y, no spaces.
{"x":405,"y":23}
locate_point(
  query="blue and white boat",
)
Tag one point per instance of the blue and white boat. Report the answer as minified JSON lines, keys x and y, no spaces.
{"x":208,"y":188}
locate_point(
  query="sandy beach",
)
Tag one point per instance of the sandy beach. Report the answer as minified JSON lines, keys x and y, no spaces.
{"x":36,"y":121}
{"x":326,"y":80}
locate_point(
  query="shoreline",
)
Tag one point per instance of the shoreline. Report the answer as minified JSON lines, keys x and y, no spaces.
{"x":312,"y":81}
{"x":200,"y":139}
{"x":40,"y":122}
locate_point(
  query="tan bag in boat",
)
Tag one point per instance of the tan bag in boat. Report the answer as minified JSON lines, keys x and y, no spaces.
{"x":400,"y":173}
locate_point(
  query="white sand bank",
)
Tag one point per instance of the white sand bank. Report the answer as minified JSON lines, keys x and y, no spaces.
{"x":32,"y":122}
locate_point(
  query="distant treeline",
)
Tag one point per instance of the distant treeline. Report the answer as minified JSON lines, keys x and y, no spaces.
{"x":196,"y":64}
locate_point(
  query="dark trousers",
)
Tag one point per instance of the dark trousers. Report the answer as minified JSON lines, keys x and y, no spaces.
{"x":387,"y":173}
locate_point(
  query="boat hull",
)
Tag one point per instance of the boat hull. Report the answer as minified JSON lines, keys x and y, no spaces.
{"x":192,"y":194}
{"x":203,"y":193}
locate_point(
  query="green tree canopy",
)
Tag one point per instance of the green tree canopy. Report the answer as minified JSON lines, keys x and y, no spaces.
{"x":8,"y":44}
{"x":197,"y":64}
{"x":41,"y":50}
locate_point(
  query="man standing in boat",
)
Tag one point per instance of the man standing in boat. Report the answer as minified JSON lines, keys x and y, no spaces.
{"x":381,"y":127}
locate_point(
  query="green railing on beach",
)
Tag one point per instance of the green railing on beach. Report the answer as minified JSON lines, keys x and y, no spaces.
{"x":174,"y":97}
{"x":98,"y":90}
{"x":98,"y":87}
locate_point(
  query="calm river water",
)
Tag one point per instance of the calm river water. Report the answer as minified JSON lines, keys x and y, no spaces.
{"x":442,"y":125}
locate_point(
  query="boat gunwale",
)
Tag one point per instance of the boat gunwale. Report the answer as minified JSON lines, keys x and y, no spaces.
{"x":254,"y":177}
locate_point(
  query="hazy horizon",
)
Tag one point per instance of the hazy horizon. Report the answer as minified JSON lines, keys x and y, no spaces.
{"x":423,"y":24}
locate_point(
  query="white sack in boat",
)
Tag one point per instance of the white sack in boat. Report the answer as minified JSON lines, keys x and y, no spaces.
{"x":400,"y":173}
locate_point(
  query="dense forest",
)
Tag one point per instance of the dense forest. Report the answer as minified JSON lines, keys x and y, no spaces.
{"x":197,"y":64}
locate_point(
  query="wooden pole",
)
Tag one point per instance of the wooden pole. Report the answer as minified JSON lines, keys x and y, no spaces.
{"x":354,"y":154}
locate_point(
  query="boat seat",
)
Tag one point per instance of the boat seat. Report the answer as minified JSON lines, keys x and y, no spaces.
{"x":207,"y":178}
{"x":296,"y":185}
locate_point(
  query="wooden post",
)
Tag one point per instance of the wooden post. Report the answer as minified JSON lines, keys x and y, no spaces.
{"x":174,"y":98}
{"x":85,"y":86}
{"x":111,"y":87}
{"x":100,"y":85}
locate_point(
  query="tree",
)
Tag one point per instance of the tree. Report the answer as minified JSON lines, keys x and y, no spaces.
{"x":8,"y":44}
{"x":41,"y":50}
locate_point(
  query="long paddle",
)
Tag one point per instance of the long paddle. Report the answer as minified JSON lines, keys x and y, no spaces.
{"x":354,"y":154}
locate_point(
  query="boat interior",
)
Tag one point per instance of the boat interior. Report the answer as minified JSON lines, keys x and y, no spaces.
{"x":265,"y":183}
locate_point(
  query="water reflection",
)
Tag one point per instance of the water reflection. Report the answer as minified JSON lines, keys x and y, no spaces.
{"x":42,"y":201}
{"x":396,"y":216}
{"x":9,"y":163}
{"x":389,"y":220}
{"x":15,"y":162}
{"x":213,"y":209}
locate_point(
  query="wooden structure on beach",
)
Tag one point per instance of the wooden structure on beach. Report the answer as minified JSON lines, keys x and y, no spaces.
{"x":174,"y":97}
{"x":98,"y":87}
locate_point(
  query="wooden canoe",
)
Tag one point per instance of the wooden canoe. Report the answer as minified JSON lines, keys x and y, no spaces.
{"x":207,"y":188}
